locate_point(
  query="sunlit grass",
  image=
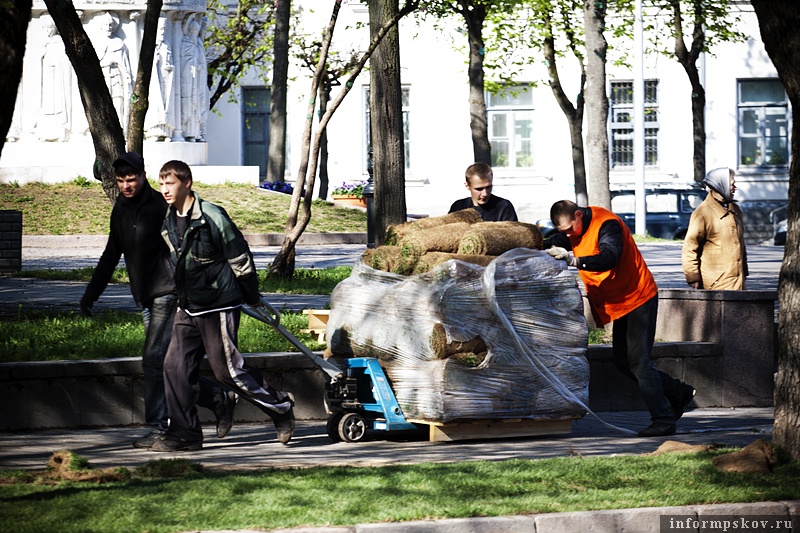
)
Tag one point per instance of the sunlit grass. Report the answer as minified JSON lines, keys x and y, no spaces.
{"x":304,"y":280}
{"x":345,"y":496}
{"x":69,"y":336}
{"x":81,"y":207}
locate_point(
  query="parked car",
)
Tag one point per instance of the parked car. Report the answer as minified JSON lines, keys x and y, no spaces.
{"x":779,"y":226}
{"x":779,"y":239}
{"x":668,"y":210}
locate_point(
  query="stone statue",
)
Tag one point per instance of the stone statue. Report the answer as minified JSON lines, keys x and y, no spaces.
{"x":160,"y":119}
{"x":203,"y":79}
{"x":190,"y":78}
{"x":114,"y":61}
{"x":53,"y":118}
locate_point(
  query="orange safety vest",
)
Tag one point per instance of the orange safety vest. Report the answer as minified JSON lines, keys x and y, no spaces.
{"x":614,"y":293}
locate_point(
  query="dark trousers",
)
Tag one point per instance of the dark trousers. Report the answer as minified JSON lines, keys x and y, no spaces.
{"x":158,"y":320}
{"x":215,"y":335}
{"x":633,"y":336}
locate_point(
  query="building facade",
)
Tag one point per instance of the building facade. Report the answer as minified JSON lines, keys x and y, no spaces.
{"x":748,"y":121}
{"x":747,"y":115}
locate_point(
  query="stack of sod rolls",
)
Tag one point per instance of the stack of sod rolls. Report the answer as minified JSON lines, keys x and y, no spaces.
{"x":466,"y":341}
{"x":419,"y":246}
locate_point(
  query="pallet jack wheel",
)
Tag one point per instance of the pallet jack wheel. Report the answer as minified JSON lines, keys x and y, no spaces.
{"x":332,"y":427}
{"x":352,"y":427}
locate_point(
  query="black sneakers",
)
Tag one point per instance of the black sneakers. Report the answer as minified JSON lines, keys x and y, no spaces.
{"x":148,"y":440}
{"x":685,"y":397}
{"x":658,"y":429}
{"x":284,"y":422}
{"x":173,"y":444}
{"x":224,"y":413}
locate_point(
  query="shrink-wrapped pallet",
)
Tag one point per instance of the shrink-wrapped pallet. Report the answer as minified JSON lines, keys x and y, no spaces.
{"x":464,"y":341}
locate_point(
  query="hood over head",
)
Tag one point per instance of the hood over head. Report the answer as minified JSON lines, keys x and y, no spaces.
{"x":719,"y":180}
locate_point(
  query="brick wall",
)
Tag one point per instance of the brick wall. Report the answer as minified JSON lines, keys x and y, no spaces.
{"x":10,"y":241}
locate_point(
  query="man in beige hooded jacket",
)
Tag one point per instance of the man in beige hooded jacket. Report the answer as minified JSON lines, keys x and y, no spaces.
{"x":714,"y":254}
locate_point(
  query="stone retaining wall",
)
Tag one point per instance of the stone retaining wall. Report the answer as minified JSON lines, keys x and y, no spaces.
{"x":10,"y":241}
{"x":110,"y":392}
{"x":721,"y":342}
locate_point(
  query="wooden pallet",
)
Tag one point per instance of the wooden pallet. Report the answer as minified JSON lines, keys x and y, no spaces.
{"x":494,"y":429}
{"x":317,"y":322}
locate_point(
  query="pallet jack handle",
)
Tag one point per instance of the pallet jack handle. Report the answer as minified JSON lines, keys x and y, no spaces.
{"x":267,"y":313}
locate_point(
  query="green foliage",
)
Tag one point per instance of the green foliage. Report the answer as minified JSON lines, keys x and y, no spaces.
{"x":81,"y":181}
{"x":346,"y":496}
{"x":598,"y":336}
{"x":717,"y":19}
{"x":235,"y":41}
{"x":305,"y":281}
{"x":351,"y":188}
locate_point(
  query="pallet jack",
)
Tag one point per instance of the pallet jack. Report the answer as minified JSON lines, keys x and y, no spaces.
{"x":358,"y":395}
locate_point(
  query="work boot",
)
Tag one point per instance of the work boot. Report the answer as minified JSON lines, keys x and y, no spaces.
{"x":685,"y":396}
{"x":148,"y":440}
{"x":224,"y":413}
{"x":174,"y":444}
{"x":284,"y":422}
{"x":658,"y":429}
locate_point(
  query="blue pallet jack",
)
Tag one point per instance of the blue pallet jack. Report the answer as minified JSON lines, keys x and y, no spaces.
{"x":358,"y":394}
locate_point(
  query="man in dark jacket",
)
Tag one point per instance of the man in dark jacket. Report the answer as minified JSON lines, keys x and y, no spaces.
{"x":136,"y":233}
{"x":214,"y":274}
{"x":491,"y":208}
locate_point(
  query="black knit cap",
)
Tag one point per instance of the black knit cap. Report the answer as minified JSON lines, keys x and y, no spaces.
{"x":130,"y":159}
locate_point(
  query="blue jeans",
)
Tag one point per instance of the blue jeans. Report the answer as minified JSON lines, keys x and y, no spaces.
{"x":633,"y":336}
{"x":158,"y":319}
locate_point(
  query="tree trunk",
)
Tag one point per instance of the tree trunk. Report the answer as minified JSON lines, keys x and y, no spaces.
{"x":578,"y":161}
{"x":594,"y":14}
{"x":276,"y":165}
{"x":140,"y":99}
{"x":14,"y":19}
{"x":386,"y":122}
{"x":780,"y":30}
{"x":573,"y":113}
{"x":300,"y":212}
{"x":688,"y":60}
{"x":324,"y":98}
{"x":104,"y":124}
{"x":475,"y":16}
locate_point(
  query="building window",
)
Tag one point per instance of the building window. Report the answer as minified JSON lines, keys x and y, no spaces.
{"x":763,"y":123}
{"x":255,"y":137}
{"x":621,"y":117}
{"x":510,"y":119}
{"x":406,"y":129}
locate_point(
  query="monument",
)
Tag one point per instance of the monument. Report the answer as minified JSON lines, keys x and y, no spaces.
{"x":49,"y":140}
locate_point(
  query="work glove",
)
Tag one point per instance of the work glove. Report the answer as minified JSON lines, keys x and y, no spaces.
{"x":86,"y":305}
{"x":562,"y":254}
{"x":253,"y":300}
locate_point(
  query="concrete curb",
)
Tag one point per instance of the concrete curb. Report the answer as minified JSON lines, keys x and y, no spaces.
{"x":647,"y":519}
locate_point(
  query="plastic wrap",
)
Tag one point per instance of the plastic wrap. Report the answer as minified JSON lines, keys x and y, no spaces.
{"x":524,"y":307}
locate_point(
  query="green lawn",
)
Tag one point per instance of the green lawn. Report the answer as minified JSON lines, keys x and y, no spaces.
{"x":345,"y":496}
